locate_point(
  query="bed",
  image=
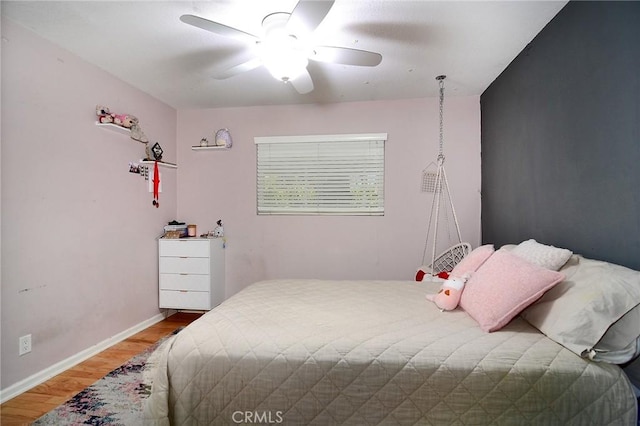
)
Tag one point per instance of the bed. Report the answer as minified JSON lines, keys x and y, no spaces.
{"x":314,"y":352}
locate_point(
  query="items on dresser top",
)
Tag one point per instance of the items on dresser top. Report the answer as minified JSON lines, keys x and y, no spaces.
{"x":175,"y":229}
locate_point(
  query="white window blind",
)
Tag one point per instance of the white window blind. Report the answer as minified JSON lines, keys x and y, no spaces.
{"x":322,"y":175}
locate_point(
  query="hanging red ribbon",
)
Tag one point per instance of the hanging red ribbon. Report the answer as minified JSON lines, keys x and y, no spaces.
{"x":156,"y":185}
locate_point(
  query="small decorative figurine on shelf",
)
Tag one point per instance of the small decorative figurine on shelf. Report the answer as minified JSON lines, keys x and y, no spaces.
{"x":157,"y":151}
{"x":223,"y":138}
{"x":204,"y":142}
{"x":218,"y":232}
{"x":104,"y":115}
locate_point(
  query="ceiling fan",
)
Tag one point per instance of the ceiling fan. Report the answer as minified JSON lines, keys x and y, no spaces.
{"x":284,"y":48}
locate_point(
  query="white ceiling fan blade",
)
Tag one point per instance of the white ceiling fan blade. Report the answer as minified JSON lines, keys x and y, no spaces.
{"x":303,"y":83}
{"x":307,"y":15}
{"x":218,"y":28}
{"x":240,"y":68}
{"x":346,"y":56}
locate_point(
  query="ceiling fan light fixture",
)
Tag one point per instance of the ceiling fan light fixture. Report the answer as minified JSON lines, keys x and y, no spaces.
{"x":286,"y":67}
{"x":283,"y":56}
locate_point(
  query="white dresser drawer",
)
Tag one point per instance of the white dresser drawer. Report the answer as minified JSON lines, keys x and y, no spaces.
{"x":185,"y":299}
{"x":192,"y":282}
{"x":185,"y":265}
{"x":184,"y":248}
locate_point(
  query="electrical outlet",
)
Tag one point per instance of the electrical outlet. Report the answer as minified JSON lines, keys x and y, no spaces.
{"x":25,"y":344}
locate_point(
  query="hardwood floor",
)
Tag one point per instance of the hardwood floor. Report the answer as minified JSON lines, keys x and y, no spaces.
{"x":27,"y":407}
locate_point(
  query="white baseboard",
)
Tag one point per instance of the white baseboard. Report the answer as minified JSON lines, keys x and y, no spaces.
{"x":44,"y":375}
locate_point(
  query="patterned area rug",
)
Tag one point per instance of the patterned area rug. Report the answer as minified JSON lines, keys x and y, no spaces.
{"x":116,"y":399}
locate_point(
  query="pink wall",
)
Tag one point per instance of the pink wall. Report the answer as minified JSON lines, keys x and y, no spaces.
{"x":79,"y":255}
{"x":221,"y":184}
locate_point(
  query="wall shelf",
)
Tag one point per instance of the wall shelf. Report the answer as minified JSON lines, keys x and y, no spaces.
{"x":160,"y":164}
{"x":115,"y":128}
{"x":210,"y":148}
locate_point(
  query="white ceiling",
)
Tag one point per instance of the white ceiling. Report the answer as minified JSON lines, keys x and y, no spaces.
{"x":145,"y":44}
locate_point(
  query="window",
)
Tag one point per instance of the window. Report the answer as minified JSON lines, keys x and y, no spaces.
{"x":321,"y":175}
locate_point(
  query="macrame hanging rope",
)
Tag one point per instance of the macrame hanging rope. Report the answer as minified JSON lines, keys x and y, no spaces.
{"x":455,"y":253}
{"x":440,"y":79}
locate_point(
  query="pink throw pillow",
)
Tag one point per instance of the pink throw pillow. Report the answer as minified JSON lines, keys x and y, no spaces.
{"x":473,"y":260}
{"x":502,"y":287}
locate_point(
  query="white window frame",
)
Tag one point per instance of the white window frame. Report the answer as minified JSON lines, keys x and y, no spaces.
{"x":320,"y":174}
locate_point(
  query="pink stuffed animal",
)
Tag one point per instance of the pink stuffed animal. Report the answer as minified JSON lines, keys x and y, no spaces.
{"x":448,"y":297}
{"x":124,"y":120}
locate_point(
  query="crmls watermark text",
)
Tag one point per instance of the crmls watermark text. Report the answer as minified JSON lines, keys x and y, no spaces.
{"x":258,"y":417}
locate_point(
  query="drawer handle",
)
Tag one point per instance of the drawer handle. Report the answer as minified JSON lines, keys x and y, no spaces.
{"x":183,"y":273}
{"x":184,"y":291}
{"x":184,"y":257}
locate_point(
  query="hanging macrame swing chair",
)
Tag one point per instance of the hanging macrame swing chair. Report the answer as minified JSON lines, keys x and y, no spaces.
{"x":441,"y":216}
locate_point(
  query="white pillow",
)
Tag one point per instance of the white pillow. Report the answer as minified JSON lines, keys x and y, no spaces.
{"x":621,"y":342}
{"x":593,"y":311}
{"x":548,"y":257}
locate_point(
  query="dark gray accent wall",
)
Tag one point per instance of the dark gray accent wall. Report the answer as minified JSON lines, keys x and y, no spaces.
{"x":561,"y":137}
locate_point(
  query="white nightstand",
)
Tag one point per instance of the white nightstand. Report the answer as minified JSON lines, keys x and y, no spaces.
{"x":191,"y":273}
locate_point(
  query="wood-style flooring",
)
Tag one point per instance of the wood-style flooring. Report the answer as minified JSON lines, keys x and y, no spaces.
{"x":27,"y":407}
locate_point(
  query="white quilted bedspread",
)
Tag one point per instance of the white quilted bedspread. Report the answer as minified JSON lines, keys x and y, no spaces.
{"x":310,"y":352}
